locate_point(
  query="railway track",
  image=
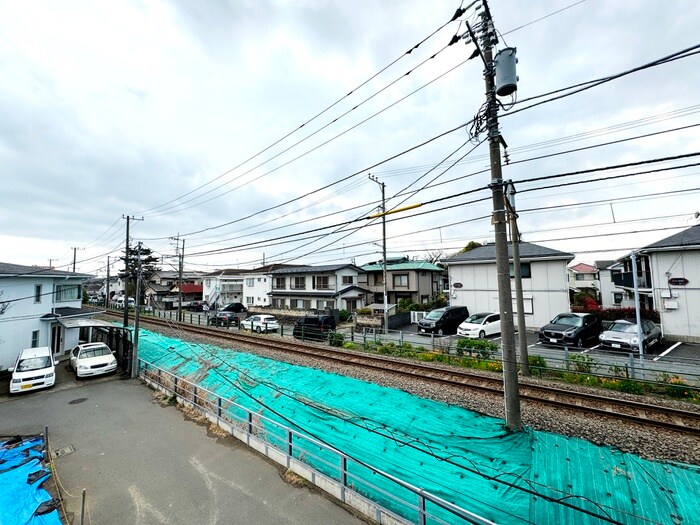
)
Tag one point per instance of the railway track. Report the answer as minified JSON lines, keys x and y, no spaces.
{"x":684,"y":421}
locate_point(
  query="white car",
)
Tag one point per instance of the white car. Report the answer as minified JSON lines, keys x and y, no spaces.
{"x":92,"y":359}
{"x":34,"y":368}
{"x":480,"y":325}
{"x":261,"y":323}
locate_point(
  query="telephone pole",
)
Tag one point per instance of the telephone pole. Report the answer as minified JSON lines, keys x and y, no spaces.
{"x":386,"y":305}
{"x":488,"y":40}
{"x":126,"y":269}
{"x":135,"y":350}
{"x":107,"y":286}
{"x":181,"y":262}
{"x":74,"y":253}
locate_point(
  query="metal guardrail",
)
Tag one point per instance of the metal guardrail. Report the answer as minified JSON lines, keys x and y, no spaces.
{"x":397,"y":502}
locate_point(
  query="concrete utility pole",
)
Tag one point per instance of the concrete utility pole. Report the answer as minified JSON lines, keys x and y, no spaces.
{"x":505,"y":299}
{"x":515,"y":243}
{"x":74,"y":254}
{"x":635,"y":283}
{"x":107,"y":285}
{"x":135,"y":351}
{"x":386,"y":305}
{"x":181,"y":262}
{"x":126,"y":266}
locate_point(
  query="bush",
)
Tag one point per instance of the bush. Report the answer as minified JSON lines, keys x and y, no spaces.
{"x":538,"y":364}
{"x":349,"y":345}
{"x":481,"y":347}
{"x":613,"y":314}
{"x":336,"y":339}
{"x":344,"y":315}
{"x":582,"y":363}
{"x":364,"y":311}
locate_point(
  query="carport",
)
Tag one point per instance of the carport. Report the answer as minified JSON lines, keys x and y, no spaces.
{"x":118,"y":338}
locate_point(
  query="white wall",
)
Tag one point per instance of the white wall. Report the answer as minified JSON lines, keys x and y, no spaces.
{"x":681,"y":323}
{"x":262,"y":285}
{"x":545,"y":292}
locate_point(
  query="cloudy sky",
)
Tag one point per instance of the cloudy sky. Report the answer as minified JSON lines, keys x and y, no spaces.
{"x":248,"y":128}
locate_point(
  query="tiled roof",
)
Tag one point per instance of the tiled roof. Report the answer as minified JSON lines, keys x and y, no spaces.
{"x":314,"y":269}
{"x":19,"y":270}
{"x":583,"y":268}
{"x":403,"y":265}
{"x":528,"y":252}
{"x":191,"y":288}
{"x":685,"y":239}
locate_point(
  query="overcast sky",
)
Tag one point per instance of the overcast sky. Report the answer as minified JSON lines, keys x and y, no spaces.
{"x":188,"y":114}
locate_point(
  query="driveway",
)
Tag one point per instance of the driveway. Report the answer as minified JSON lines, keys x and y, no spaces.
{"x":142,"y":462}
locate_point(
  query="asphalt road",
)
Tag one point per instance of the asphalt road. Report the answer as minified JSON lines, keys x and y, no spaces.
{"x":144,"y":463}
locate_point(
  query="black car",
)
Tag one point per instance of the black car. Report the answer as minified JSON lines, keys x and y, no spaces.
{"x":574,"y":329}
{"x":223,"y":319}
{"x":313,"y":327}
{"x":236,"y":308}
{"x":196,"y":306}
{"x":443,"y":320}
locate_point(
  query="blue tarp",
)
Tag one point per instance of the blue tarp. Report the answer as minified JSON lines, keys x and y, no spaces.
{"x":23,"y":501}
{"x":462,"y":456}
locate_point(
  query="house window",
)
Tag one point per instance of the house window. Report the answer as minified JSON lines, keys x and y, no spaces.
{"x":207,"y":282}
{"x":259,"y":280}
{"x":67,"y":292}
{"x":37,"y":293}
{"x":279,"y":283}
{"x":35,"y":338}
{"x":401,"y":280}
{"x":250,"y":281}
{"x":378,"y":278}
{"x":524,"y":270}
{"x":348,"y":279}
{"x":617,"y":297}
{"x":249,"y":300}
{"x":299,"y":283}
{"x":321,"y":283}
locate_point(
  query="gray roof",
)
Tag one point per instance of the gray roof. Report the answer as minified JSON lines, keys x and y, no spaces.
{"x":603,"y":265}
{"x":528,"y":252}
{"x":330,"y":268}
{"x":689,"y":238}
{"x":19,"y":270}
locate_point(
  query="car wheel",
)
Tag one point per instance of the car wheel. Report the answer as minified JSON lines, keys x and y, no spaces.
{"x":482,"y":334}
{"x":258,"y":330}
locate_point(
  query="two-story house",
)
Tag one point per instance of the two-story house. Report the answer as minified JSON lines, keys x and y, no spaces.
{"x":222,"y":287}
{"x":415,"y":280}
{"x":610,"y":295}
{"x":668,"y":280}
{"x":583,"y":278}
{"x":160,"y":284}
{"x":474,"y":281}
{"x":36,"y":307}
{"x":257,"y":284}
{"x":318,"y":288}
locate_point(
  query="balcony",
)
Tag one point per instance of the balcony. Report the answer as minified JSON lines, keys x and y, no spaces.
{"x":624,"y":280}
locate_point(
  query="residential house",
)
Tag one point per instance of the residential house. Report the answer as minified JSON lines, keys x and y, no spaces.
{"x":318,"y":287}
{"x":257,"y":284}
{"x":668,"y":280}
{"x":222,"y":287}
{"x":414,"y":280}
{"x":474,"y":281}
{"x":36,"y":305}
{"x":583,"y":277}
{"x":610,"y":295}
{"x":159,"y":285}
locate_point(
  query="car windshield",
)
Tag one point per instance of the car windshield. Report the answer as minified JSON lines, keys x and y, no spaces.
{"x":476,"y":318}
{"x":568,"y":320}
{"x":33,"y":363}
{"x":435,"y":314}
{"x":95,"y":352}
{"x":627,"y":328}
{"x":268,"y":319}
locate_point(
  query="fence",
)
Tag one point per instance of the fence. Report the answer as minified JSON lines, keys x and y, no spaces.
{"x":343,"y":477}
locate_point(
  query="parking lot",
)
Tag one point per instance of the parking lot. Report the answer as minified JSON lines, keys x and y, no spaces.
{"x":143,"y":462}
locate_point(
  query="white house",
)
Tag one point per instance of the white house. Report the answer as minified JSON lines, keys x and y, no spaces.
{"x":257,"y":284}
{"x":221,"y":287}
{"x":474,"y":283}
{"x":668,"y":280}
{"x":610,"y":295}
{"x":318,"y":288}
{"x":38,"y":307}
{"x":584,"y":278}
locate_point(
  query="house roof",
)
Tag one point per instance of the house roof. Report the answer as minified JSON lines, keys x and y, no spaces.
{"x":269,"y":268}
{"x":582,"y":268}
{"x":687,"y":239}
{"x":603,"y":265}
{"x":226,"y":271}
{"x":528,"y":252}
{"x":19,"y":270}
{"x":191,"y":288}
{"x":403,"y":265}
{"x":331,"y":268}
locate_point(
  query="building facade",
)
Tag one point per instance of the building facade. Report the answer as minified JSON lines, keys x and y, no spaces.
{"x":416,"y":281}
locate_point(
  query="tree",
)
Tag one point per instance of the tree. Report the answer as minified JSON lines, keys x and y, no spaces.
{"x":470,"y":246}
{"x":148,"y":266}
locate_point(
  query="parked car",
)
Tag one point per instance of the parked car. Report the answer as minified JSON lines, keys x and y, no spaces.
{"x":236,"y":308}
{"x":261,"y":323}
{"x":622,"y":335}
{"x":443,"y":321}
{"x":196,"y":306}
{"x":480,"y":325}
{"x":571,"y":329}
{"x":313,"y":327}
{"x":223,"y":319}
{"x":130,"y":302}
{"x":92,"y":359}
{"x":35,"y":368}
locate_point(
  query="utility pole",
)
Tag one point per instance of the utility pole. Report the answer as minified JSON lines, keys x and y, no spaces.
{"x":135,"y":350}
{"x":386,"y":305}
{"x":126,"y":266}
{"x":181,"y":262}
{"x":505,"y":299}
{"x":635,"y":284}
{"x":107,"y":286}
{"x":517,"y":274}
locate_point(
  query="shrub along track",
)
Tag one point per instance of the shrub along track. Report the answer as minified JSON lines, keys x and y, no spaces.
{"x":684,"y":421}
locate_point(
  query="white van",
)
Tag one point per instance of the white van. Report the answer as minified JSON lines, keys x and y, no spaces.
{"x":35,"y":368}
{"x":131,"y":302}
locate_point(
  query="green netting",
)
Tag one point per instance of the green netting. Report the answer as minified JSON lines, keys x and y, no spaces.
{"x":458,"y":455}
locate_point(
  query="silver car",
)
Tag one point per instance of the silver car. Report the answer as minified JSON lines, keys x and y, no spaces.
{"x":622,"y":335}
